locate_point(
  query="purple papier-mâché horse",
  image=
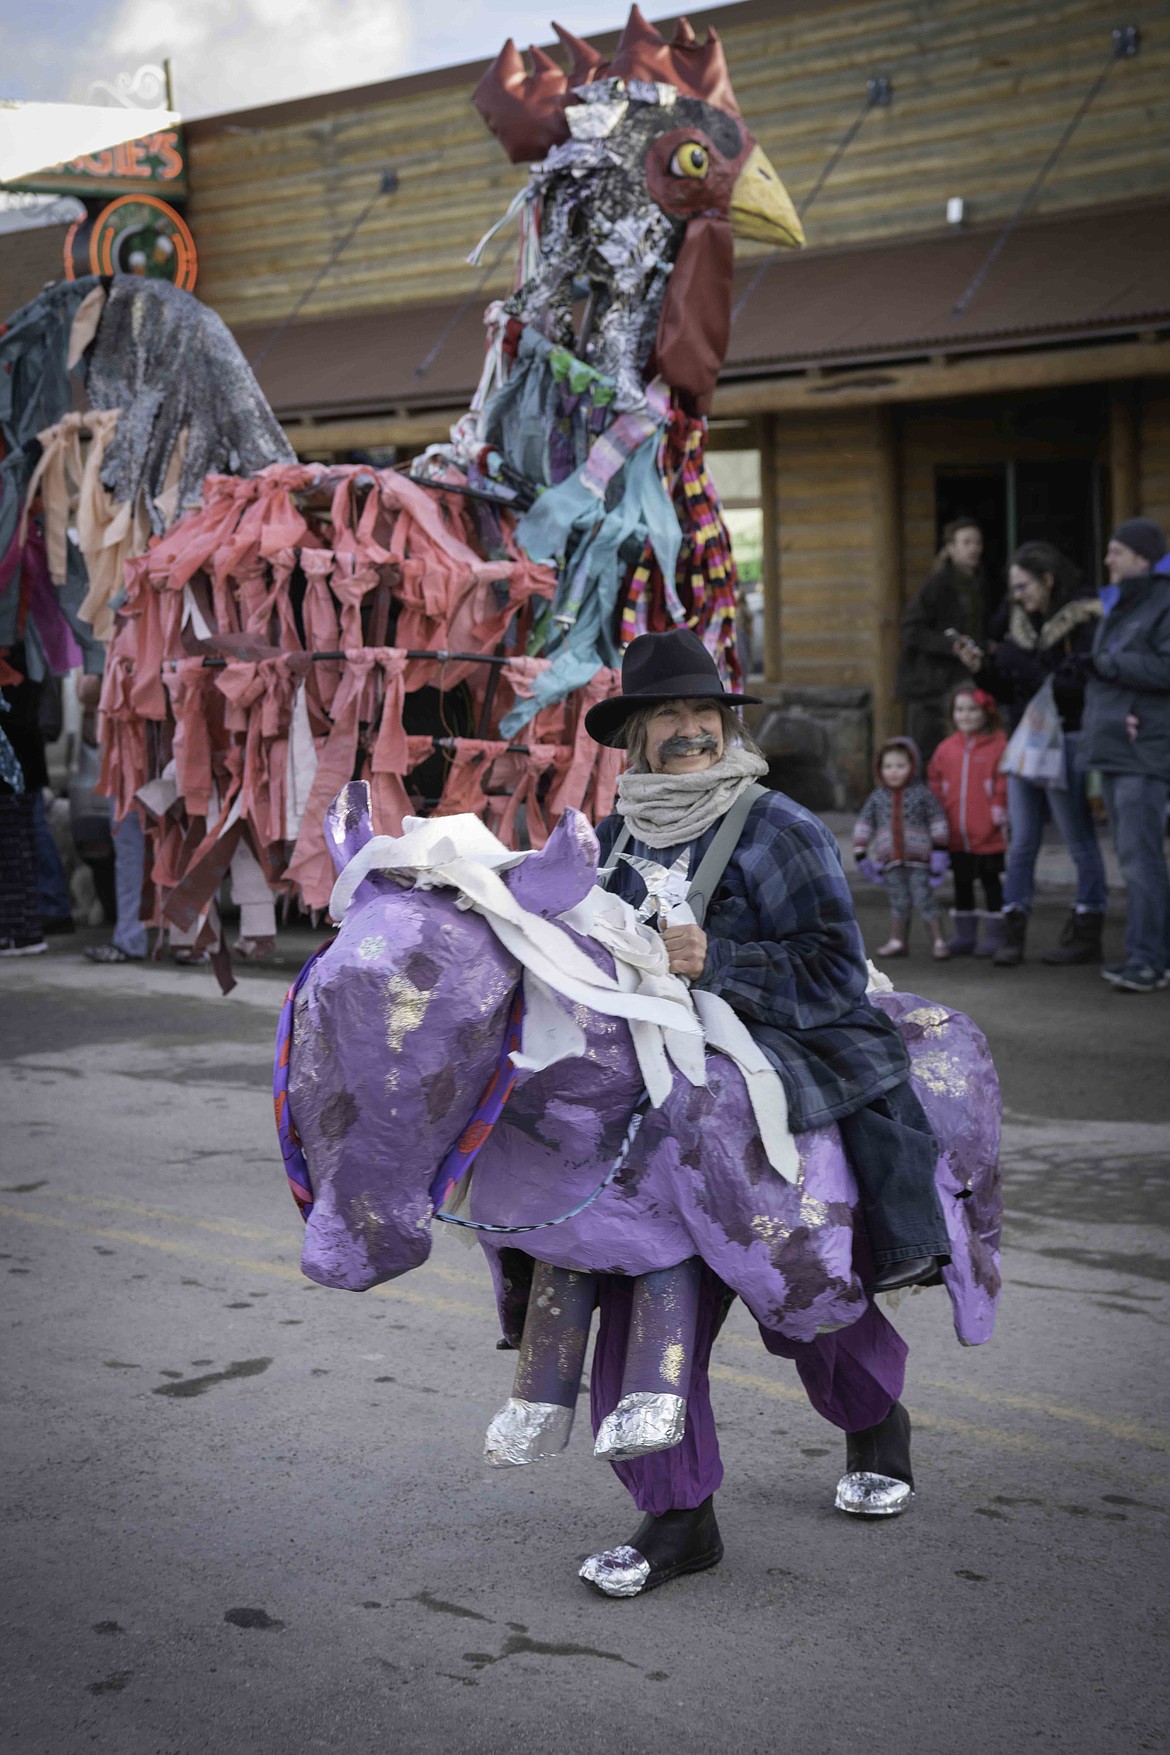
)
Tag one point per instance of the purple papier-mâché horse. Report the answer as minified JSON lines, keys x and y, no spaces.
{"x":398,"y":1028}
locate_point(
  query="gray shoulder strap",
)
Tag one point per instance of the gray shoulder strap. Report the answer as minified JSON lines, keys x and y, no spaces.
{"x":624,"y":835}
{"x":715,"y":861}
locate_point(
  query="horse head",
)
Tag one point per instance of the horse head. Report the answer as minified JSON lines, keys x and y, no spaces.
{"x":399,"y":1027}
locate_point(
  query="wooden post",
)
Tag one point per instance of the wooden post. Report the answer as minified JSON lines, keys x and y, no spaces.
{"x":1124,"y":475}
{"x":887,"y":573}
{"x":769,"y":506}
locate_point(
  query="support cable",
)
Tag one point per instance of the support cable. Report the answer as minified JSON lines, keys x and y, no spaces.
{"x":387,"y":185}
{"x":1126,"y":43}
{"x":461,"y":310}
{"x":878,"y":92}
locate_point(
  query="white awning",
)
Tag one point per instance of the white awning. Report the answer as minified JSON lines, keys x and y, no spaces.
{"x":37,"y":137}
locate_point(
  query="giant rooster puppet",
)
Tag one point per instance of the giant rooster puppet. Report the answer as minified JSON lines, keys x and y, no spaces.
{"x":601,"y":366}
{"x":494,"y":1040}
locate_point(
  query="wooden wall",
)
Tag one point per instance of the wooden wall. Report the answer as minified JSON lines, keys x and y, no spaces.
{"x":827,"y":516}
{"x":982,"y":90}
{"x":851,"y":503}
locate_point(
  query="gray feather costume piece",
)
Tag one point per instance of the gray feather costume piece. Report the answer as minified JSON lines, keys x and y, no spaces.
{"x":170,"y":362}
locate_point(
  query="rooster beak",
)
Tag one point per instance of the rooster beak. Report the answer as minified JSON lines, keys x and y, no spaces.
{"x":761,"y":206}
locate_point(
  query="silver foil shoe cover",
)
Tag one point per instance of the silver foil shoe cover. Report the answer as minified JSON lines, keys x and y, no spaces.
{"x":866,"y":1495}
{"x":641,"y":1423}
{"x":619,"y":1572}
{"x":524,"y":1432}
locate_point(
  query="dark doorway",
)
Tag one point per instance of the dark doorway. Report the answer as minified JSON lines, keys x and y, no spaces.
{"x":982,"y":495}
{"x":1058,"y":502}
{"x":1055,"y":500}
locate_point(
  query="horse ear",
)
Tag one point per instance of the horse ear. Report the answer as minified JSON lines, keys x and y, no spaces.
{"x":562,"y":873}
{"x":349,"y":823}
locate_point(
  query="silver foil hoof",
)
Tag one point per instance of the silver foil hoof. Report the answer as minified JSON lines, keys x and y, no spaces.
{"x":524,"y":1432}
{"x":866,"y":1495}
{"x":619,"y":1572}
{"x":641,"y":1424}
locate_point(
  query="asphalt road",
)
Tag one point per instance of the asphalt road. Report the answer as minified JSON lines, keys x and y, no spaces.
{"x":249,"y":1516}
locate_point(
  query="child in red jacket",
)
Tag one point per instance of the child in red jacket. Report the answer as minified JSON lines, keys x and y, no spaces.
{"x":965,"y":778}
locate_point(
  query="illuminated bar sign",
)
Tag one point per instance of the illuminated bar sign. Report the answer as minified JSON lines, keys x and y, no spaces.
{"x":131,"y":225}
{"x":137,"y":167}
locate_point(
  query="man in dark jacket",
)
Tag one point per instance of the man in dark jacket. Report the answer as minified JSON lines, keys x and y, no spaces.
{"x":942,"y":636}
{"x":1126,"y":735}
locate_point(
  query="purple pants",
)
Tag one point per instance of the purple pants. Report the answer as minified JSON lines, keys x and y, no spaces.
{"x":852,"y":1378}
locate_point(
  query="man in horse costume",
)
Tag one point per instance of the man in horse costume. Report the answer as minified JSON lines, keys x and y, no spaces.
{"x":685,"y":1111}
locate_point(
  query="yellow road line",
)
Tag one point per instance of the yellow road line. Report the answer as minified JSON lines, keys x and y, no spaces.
{"x":1131,"y":1430}
{"x":783,"y":1392}
{"x":274,"y":1234}
{"x":274,"y":1269}
{"x":1151,"y":1437}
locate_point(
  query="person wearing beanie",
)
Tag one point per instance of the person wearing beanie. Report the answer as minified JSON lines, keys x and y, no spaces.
{"x":1126,"y":736}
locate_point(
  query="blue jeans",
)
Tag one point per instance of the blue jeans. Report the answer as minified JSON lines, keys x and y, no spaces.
{"x":1028,"y":807}
{"x":129,"y":868}
{"x":893,"y":1153}
{"x":1137,"y":818}
{"x":52,"y":884}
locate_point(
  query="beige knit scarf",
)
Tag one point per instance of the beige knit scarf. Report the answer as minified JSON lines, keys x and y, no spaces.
{"x":663,"y":810}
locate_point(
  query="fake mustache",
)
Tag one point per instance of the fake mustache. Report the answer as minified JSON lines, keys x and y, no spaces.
{"x":702,"y":745}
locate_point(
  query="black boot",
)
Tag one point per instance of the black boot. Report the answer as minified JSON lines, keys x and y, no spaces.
{"x":1011,"y":949}
{"x":660,"y":1549}
{"x":878,"y":1480}
{"x":896,"y":1276}
{"x":1080,"y":942}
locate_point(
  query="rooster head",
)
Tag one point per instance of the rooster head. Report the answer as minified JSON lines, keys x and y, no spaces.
{"x":699,"y":156}
{"x":644,"y":170}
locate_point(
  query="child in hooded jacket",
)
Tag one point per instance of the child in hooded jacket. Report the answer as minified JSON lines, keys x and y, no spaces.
{"x":899,"y":834}
{"x":964,"y":775}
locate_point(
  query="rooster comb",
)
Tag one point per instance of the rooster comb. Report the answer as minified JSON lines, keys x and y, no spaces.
{"x":526,"y":110}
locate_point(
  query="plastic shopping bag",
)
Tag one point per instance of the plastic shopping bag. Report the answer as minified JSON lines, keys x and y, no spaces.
{"x":1035,"y":751}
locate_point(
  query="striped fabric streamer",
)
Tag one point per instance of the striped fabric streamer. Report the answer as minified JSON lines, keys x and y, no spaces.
{"x":704,"y":592}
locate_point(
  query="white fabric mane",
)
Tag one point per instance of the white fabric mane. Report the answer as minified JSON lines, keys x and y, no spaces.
{"x":670,"y":1023}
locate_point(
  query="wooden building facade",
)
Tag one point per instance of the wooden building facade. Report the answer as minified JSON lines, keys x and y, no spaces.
{"x":865,"y":407}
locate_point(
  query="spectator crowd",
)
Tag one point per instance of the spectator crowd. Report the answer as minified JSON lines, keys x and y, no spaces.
{"x":1060,"y":697}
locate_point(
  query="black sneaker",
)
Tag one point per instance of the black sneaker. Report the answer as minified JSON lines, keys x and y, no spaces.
{"x":1140,"y":978}
{"x":22,"y":947}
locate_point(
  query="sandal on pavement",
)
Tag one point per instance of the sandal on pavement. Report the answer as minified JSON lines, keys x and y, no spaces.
{"x":187,"y":958}
{"x":253,"y":950}
{"x":893,"y":947}
{"x":109,"y":953}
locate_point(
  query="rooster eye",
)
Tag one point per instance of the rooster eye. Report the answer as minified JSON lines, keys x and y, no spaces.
{"x":690,"y":160}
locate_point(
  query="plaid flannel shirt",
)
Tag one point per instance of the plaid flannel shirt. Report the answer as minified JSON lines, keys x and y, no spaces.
{"x":785,"y":951}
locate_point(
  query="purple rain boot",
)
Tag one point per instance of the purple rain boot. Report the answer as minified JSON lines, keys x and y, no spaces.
{"x":963,"y":940}
{"x":537,"y":1418}
{"x":652,"y":1412}
{"x":993,"y":935}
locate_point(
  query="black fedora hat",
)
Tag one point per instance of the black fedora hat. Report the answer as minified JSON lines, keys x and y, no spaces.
{"x":675,"y":666}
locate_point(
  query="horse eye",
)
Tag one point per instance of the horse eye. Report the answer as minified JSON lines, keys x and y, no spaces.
{"x":690,"y":160}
